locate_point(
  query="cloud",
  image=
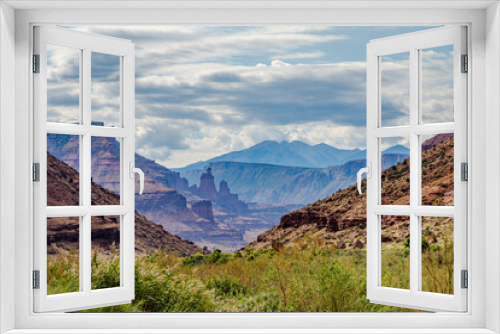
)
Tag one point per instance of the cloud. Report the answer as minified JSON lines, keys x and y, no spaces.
{"x":301,"y":55}
{"x":204,"y":91}
{"x":238,"y":94}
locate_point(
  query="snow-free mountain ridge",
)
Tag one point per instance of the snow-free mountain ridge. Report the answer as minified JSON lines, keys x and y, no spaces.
{"x":291,"y":154}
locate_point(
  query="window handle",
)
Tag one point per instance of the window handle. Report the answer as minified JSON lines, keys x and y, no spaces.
{"x":139,"y":171}
{"x":368,"y":171}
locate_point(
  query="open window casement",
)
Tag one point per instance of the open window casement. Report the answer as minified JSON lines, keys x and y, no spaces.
{"x":56,"y":79}
{"x":406,"y":106}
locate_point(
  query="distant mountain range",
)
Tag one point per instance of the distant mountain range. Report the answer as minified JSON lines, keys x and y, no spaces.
{"x":168,"y":196}
{"x":266,"y":183}
{"x":167,"y":199}
{"x":293,"y":154}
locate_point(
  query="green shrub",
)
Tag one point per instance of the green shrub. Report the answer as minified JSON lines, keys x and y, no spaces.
{"x":227,"y":286}
{"x":195,"y":259}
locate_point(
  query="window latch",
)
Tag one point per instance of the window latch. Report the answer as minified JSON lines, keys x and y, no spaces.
{"x":132,"y":171}
{"x":368,"y":171}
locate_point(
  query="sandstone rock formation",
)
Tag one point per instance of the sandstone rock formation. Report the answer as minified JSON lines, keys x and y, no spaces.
{"x":339,"y":220}
{"x":167,"y":198}
{"x":63,"y":234}
{"x":207,"y":185}
{"x":204,"y":209}
{"x":282,"y":185}
{"x":223,"y":197}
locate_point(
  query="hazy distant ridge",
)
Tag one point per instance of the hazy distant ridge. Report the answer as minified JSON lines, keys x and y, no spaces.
{"x":275,"y":184}
{"x":294,"y":154}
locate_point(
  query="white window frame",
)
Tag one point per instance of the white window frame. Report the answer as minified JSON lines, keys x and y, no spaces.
{"x":86,"y":44}
{"x":484,"y":103}
{"x":413,"y":44}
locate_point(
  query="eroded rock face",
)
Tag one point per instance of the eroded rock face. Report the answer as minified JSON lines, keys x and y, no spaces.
{"x":230,"y":201}
{"x":224,"y":198}
{"x":319,"y":219}
{"x":207,"y":185}
{"x":204,"y":209}
{"x":224,"y":189}
{"x":63,"y":233}
{"x":340,"y":219}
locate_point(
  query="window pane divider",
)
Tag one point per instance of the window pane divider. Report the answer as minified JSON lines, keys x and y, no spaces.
{"x":106,"y":131}
{"x":109,"y":210}
{"x":422,"y":129}
{"x":67,"y":211}
{"x":415,"y":170}
{"x":81,"y":130}
{"x":67,"y":129}
{"x":80,"y":211}
{"x":406,"y":210}
{"x":86,"y":175}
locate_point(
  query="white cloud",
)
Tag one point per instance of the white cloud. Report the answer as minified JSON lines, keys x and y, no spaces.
{"x":301,"y":55}
{"x":205,"y":91}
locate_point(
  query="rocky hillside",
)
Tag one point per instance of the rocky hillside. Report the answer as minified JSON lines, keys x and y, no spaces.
{"x":62,"y":233}
{"x":340,"y":219}
{"x":167,"y":200}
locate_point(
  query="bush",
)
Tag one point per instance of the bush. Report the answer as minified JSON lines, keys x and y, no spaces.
{"x":293,"y":280}
{"x":425,"y":244}
{"x":227,"y":286}
{"x":195,"y":259}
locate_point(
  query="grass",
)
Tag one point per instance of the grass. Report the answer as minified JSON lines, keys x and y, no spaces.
{"x":290,"y":280}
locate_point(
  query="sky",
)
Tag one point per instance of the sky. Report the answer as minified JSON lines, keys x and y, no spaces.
{"x":204,"y":91}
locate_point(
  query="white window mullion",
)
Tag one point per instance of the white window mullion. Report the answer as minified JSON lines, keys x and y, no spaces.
{"x":373,"y":197}
{"x":460,"y":103}
{"x":86,"y":255}
{"x":127,"y":246}
{"x":86,"y":175}
{"x":40,"y":156}
{"x":415,"y":254}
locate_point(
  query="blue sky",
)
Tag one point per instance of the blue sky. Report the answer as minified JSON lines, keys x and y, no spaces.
{"x":204,"y":91}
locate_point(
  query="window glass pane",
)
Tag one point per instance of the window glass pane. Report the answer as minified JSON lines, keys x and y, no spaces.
{"x":105,"y":252}
{"x":438,"y":169}
{"x":105,"y":89}
{"x":437,"y":84}
{"x":395,"y":89}
{"x":395,"y":171}
{"x":63,"y":255}
{"x":106,"y":167}
{"x":63,"y":163}
{"x":395,"y":249}
{"x":63,"y":84}
{"x":437,"y":254}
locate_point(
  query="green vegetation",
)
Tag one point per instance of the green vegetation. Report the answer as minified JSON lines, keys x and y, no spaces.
{"x":290,"y":280}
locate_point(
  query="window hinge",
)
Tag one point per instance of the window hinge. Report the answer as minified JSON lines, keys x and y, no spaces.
{"x":36,"y":279}
{"x":464,"y":171}
{"x":36,"y":172}
{"x":465,"y":279}
{"x":465,"y":64}
{"x":36,"y":63}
